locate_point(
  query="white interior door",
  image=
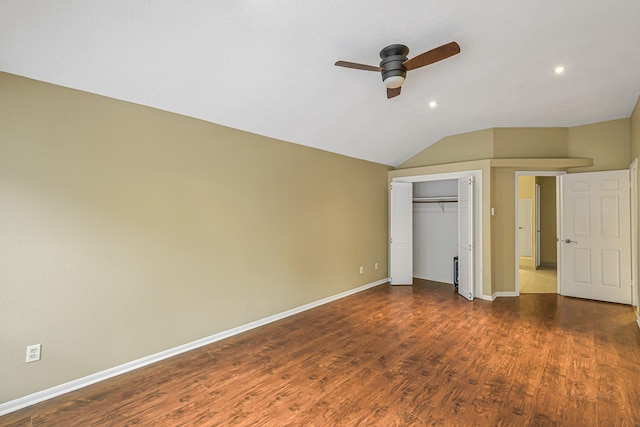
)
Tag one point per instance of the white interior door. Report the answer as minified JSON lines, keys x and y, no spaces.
{"x":465,"y":237}
{"x":401,"y":240}
{"x":596,"y":244}
{"x":524,"y":227}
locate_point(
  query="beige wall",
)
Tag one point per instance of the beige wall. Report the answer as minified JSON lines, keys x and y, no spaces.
{"x":530,"y":143}
{"x":526,"y":187}
{"x":548,"y":220}
{"x":607,"y":143}
{"x":456,"y":148}
{"x":127,"y":230}
{"x":493,"y":144}
{"x":503,"y":229}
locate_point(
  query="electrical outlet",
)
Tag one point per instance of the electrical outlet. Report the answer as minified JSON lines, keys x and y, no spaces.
{"x":361,"y":270}
{"x":33,"y":353}
{"x":375,"y":266}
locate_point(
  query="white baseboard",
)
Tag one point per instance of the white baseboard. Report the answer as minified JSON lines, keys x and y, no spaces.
{"x":487,"y":297}
{"x":505,"y":294}
{"x":638,"y":322}
{"x":41,"y":396}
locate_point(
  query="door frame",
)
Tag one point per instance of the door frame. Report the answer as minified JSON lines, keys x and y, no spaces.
{"x":477,"y":218}
{"x":633,"y":186}
{"x":537,"y":262}
{"x":518,"y":174}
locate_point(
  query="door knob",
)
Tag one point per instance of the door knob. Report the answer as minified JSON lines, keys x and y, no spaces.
{"x":570,"y":241}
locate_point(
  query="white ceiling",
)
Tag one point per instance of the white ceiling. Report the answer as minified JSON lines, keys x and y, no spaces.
{"x":267,"y":67}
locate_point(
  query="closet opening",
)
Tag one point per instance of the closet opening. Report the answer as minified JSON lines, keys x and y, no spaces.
{"x":435,"y":230}
{"x":433,"y":219}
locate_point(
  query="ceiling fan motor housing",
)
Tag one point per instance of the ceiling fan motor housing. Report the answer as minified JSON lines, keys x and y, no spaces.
{"x":392,"y":59}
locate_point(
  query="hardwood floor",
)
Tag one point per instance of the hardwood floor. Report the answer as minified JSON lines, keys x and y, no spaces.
{"x":388,"y":356}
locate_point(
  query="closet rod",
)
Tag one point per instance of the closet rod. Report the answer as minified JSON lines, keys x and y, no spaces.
{"x":435,"y":200}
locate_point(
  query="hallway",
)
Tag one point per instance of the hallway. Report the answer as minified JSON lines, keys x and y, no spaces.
{"x":541,"y":281}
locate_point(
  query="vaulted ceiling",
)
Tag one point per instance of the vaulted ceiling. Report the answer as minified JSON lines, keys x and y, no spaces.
{"x":267,"y":67}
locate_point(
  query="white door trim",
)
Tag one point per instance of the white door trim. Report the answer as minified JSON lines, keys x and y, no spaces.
{"x":537,"y":227}
{"x":559,"y":231}
{"x":518,"y":174}
{"x":633,"y":187}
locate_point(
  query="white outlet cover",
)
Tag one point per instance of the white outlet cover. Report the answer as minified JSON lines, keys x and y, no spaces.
{"x":33,"y":353}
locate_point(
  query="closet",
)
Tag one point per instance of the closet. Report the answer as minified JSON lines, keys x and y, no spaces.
{"x":435,"y":229}
{"x":431,"y":242}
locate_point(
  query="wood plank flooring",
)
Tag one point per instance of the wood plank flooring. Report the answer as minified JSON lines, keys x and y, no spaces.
{"x":388,"y":356}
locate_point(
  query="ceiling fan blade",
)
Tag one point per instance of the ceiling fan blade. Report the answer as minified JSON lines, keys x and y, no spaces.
{"x":434,"y":55}
{"x":357,"y":66}
{"x":392,"y":93}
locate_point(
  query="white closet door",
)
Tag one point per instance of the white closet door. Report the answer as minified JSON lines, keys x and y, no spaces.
{"x":401,"y":242}
{"x":465,"y":237}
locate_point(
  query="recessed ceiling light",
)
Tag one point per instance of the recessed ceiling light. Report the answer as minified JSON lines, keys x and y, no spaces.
{"x":433,"y":104}
{"x":559,"y":69}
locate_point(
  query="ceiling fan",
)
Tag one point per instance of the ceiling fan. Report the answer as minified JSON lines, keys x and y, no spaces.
{"x":395,"y":64}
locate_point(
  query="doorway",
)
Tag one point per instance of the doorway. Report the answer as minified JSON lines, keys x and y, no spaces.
{"x":401,"y":228}
{"x":537,"y":232}
{"x":435,"y":230}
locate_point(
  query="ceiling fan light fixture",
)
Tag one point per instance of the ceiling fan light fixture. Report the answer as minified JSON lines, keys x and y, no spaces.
{"x":393,"y":82}
{"x":394,"y":63}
